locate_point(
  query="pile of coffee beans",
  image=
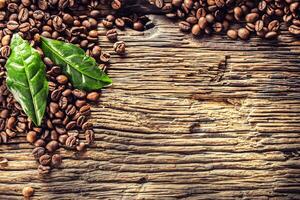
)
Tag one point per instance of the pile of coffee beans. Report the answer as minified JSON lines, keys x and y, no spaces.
{"x":68,"y":109}
{"x":237,"y":18}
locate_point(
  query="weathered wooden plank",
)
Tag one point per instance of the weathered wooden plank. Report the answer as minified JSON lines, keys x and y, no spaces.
{"x":177,"y":125}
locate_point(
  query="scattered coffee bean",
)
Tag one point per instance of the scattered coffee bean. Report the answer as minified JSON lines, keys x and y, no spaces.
{"x":27,"y":191}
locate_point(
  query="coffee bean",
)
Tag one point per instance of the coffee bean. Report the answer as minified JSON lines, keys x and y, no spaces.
{"x":252,"y":17}
{"x":10,"y":133}
{"x":4,"y":137}
{"x":119,"y":47}
{"x":116,"y":4}
{"x":294,"y":29}
{"x":104,"y":57}
{"x":71,"y":141}
{"x":243,"y":33}
{"x":52,"y":146}
{"x":259,"y":25}
{"x":3,"y":161}
{"x":90,"y":136}
{"x":11,"y":122}
{"x":53,"y":107}
{"x":87,"y":126}
{"x":31,"y":136}
{"x":60,"y":130}
{"x":5,"y":51}
{"x":5,"y":40}
{"x":93,"y":96}
{"x":120,"y":23}
{"x":63,"y":103}
{"x":81,"y":147}
{"x":24,"y":27}
{"x":79,"y":93}
{"x":232,"y":34}
{"x":62,"y":79}
{"x":56,"y":160}
{"x":45,"y":160}
{"x":271,"y":35}
{"x":23,"y":15}
{"x":38,"y":152}
{"x":27,"y":191}
{"x":39,"y":143}
{"x":112,"y":35}
{"x":81,"y":120}
{"x":273,"y":26}
{"x":56,"y":94}
{"x":184,"y":26}
{"x":43,"y":169}
{"x":12,"y":25}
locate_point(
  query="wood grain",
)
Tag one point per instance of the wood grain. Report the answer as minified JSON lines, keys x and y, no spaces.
{"x":177,"y":124}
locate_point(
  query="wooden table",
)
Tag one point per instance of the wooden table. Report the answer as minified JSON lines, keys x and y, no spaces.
{"x":185,"y":119}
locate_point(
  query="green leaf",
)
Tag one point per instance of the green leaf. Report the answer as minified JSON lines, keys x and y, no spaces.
{"x":26,"y":79}
{"x":81,"y":69}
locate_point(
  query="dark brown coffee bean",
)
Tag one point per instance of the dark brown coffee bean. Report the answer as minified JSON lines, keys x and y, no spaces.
{"x":60,"y":130}
{"x":104,"y":57}
{"x":53,"y":107}
{"x":89,"y":136}
{"x":5,"y":51}
{"x":23,"y":15}
{"x":24,"y":27}
{"x":2,"y":124}
{"x":11,"y":123}
{"x":294,"y":29}
{"x":56,"y":94}
{"x":12,"y":25}
{"x":259,"y":25}
{"x":243,"y":33}
{"x":71,"y":125}
{"x":81,"y":120}
{"x":5,"y":40}
{"x":56,"y":160}
{"x":81,"y":147}
{"x":31,"y":136}
{"x":38,"y":152}
{"x":79,"y":93}
{"x":87,"y":126}
{"x":63,"y":103}
{"x":71,"y":141}
{"x":120,"y":23}
{"x":62,"y":139}
{"x":93,"y":96}
{"x":116,"y":4}
{"x":39,"y":143}
{"x":184,"y":26}
{"x":273,"y":26}
{"x":45,"y":160}
{"x":252,"y":17}
{"x":67,"y":92}
{"x":119,"y":47}
{"x":79,"y":103}
{"x":112,"y":35}
{"x":44,"y":169}
{"x":70,"y":110}
{"x":271,"y":35}
{"x":85,"y":110}
{"x":232,"y":34}
{"x":62,"y":79}
{"x":52,"y":146}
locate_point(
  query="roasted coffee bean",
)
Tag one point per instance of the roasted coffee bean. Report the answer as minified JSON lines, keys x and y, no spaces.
{"x":81,"y":146}
{"x":10,"y":133}
{"x":92,"y":96}
{"x":67,"y":92}
{"x":232,"y":34}
{"x":62,"y":139}
{"x":60,"y":130}
{"x":294,"y":29}
{"x":70,"y":110}
{"x":2,"y":124}
{"x":243,"y":33}
{"x":56,"y":94}
{"x":23,"y":15}
{"x":24,"y":27}
{"x":184,"y":26}
{"x":116,"y":4}
{"x":53,"y":107}
{"x":45,"y":160}
{"x":79,"y":93}
{"x":119,"y":47}
{"x":87,"y":126}
{"x":56,"y":160}
{"x":5,"y":40}
{"x":31,"y":136}
{"x":62,"y":79}
{"x":271,"y":35}
{"x":63,"y":103}
{"x":27,"y":191}
{"x":4,"y":137}
{"x":89,"y":136}
{"x":38,"y":152}
{"x":104,"y":57}
{"x":11,"y":122}
{"x":85,"y":110}
{"x":12,"y":25}
{"x":81,"y":120}
{"x":71,"y":141}
{"x":71,"y":125}
{"x":112,"y":35}
{"x":39,"y":143}
{"x":52,"y":146}
{"x":79,"y":103}
{"x":43,"y":169}
{"x":5,"y":51}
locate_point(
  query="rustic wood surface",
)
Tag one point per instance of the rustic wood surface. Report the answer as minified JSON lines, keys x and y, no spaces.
{"x":176,"y":124}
